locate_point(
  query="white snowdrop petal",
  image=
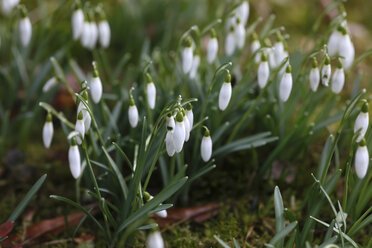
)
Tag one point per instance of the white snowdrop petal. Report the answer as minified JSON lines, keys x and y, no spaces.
{"x":171,"y":123}
{"x":285,"y":87}
{"x":79,"y":127}
{"x":314,"y":78}
{"x":133,"y":116}
{"x":187,"y":128}
{"x":169,"y":145}
{"x":48,"y":133}
{"x":25,"y":31}
{"x":326,"y":74}
{"x":187,"y":59}
{"x":104,"y":33}
{"x":154,"y":240}
{"x":239,"y":34}
{"x":74,"y":161}
{"x":206,"y":148}
{"x":338,"y":80}
{"x":162,"y":213}
{"x":224,"y":96}
{"x":49,"y":84}
{"x":96,"y":89}
{"x":85,"y":35}
{"x":190,"y":116}
{"x":263,"y":74}
{"x":77,"y":21}
{"x":361,"y":125}
{"x":333,"y":43}
{"x":346,"y":51}
{"x":151,"y":94}
{"x":243,"y":12}
{"x":94,"y":35}
{"x":212,"y":49}
{"x":87,"y":120}
{"x":195,"y":66}
{"x":179,"y":136}
{"x":230,"y":44}
{"x":254,"y":47}
{"x":361,"y":161}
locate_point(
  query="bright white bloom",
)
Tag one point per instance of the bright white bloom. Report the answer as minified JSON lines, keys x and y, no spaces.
{"x":179,"y":133}
{"x":230,"y":42}
{"x":362,"y":122}
{"x":190,"y":115}
{"x":206,"y":146}
{"x":187,"y":128}
{"x":94,"y":35}
{"x":333,"y":42}
{"x":225,"y":93}
{"x":151,"y":92}
{"x":104,"y":33}
{"x":49,"y":84}
{"x":285,"y":86}
{"x":347,"y":51}
{"x":212,"y":47}
{"x":25,"y":31}
{"x":96,"y":87}
{"x":79,"y":127}
{"x":86,"y":116}
{"x":162,"y":213}
{"x":170,"y":122}
{"x":338,"y":79}
{"x":86,"y":35}
{"x":187,"y":56}
{"x":243,"y":12}
{"x":314,"y":76}
{"x":48,"y":131}
{"x":195,"y":66}
{"x":361,"y":160}
{"x":154,"y":240}
{"x":239,"y":34}
{"x":132,"y":112}
{"x":263,"y":72}
{"x":255,"y":45}
{"x":77,"y":21}
{"x":169,"y":143}
{"x":326,"y":71}
{"x":279,"y":53}
{"x":8,"y":5}
{"x":74,"y":159}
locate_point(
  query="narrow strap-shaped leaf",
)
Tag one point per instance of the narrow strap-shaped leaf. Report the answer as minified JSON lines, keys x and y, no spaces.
{"x":221,"y":242}
{"x":283,"y":233}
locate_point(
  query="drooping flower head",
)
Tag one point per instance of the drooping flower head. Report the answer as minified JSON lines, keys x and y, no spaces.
{"x":326,"y":71}
{"x":361,"y":159}
{"x":132,"y":112}
{"x":74,"y":159}
{"x":230,"y":42}
{"x":187,"y":55}
{"x":314,"y":76}
{"x":338,"y":78}
{"x":25,"y":27}
{"x":206,"y":145}
{"x":285,"y":86}
{"x":212,"y":47}
{"x":362,"y":122}
{"x":48,"y":131}
{"x":255,"y":46}
{"x":225,"y":93}
{"x":95,"y":85}
{"x":150,"y":91}
{"x":263,"y":71}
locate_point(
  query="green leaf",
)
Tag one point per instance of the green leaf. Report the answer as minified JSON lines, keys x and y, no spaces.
{"x":283,"y":233}
{"x":221,"y":241}
{"x":279,"y":212}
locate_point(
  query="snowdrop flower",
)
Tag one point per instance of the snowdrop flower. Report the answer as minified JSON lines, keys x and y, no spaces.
{"x":74,"y":159}
{"x":362,"y":122}
{"x":187,"y":126}
{"x":96,"y":86}
{"x":77,"y":21}
{"x":279,"y":52}
{"x":86,"y":116}
{"x":243,"y":12}
{"x":187,"y":56}
{"x":361,"y":160}
{"x":225,"y":93}
{"x":48,"y":131}
{"x":333,"y":42}
{"x":151,"y":91}
{"x":170,"y":121}
{"x":195,"y":65}
{"x":49,"y":84}
{"x":230,"y":42}
{"x":132,"y":112}
{"x":162,"y":213}
{"x":338,"y":79}
{"x":154,"y":240}
{"x":212,"y":47}
{"x":255,"y":46}
{"x":179,"y":132}
{"x":239,"y":33}
{"x":346,"y":49}
{"x":169,"y":145}
{"x":263,"y":72}
{"x":206,"y":146}
{"x":190,"y":115}
{"x":8,"y":5}
{"x":314,"y":76}
{"x":94,"y":35}
{"x":104,"y":33}
{"x":326,"y":71}
{"x":285,"y":86}
{"x":25,"y":28}
{"x":79,"y":127}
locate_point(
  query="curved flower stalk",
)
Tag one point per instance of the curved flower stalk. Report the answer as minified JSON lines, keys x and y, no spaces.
{"x":7,"y":6}
{"x":154,"y":240}
{"x":104,"y":31}
{"x":230,"y":42}
{"x":25,"y":28}
{"x":239,"y":34}
{"x":255,"y":46}
{"x":169,"y":145}
{"x":362,"y":122}
{"x":225,"y":93}
{"x":48,"y":131}
{"x":338,"y":79}
{"x":179,"y":133}
{"x":74,"y":159}
{"x":150,"y":91}
{"x":132,"y":112}
{"x":187,"y":55}
{"x":263,"y":71}
{"x":361,"y":160}
{"x":206,"y":145}
{"x":195,"y":65}
{"x":79,"y":127}
{"x":326,"y":71}
{"x":50,"y":84}
{"x":190,"y":114}
{"x":95,"y":85}
{"x":212,"y":47}
{"x":314,"y":76}
{"x":77,"y":22}
{"x":285,"y":86}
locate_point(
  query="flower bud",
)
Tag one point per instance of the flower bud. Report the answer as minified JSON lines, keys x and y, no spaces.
{"x":361,"y":160}
{"x":25,"y":30}
{"x":212,"y":47}
{"x":151,"y":91}
{"x":263,"y":72}
{"x":206,"y":146}
{"x":225,"y":93}
{"x":314,"y":76}
{"x":187,"y":56}
{"x":104,"y":33}
{"x":362,"y":122}
{"x":77,"y":22}
{"x":338,"y":79}
{"x":48,"y":131}
{"x":154,"y":240}
{"x":195,"y":65}
{"x":230,"y":42}
{"x":326,"y":71}
{"x":96,"y":86}
{"x":74,"y":159}
{"x":132,"y":112}
{"x":179,"y":133}
{"x":79,"y":127}
{"x":285,"y":86}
